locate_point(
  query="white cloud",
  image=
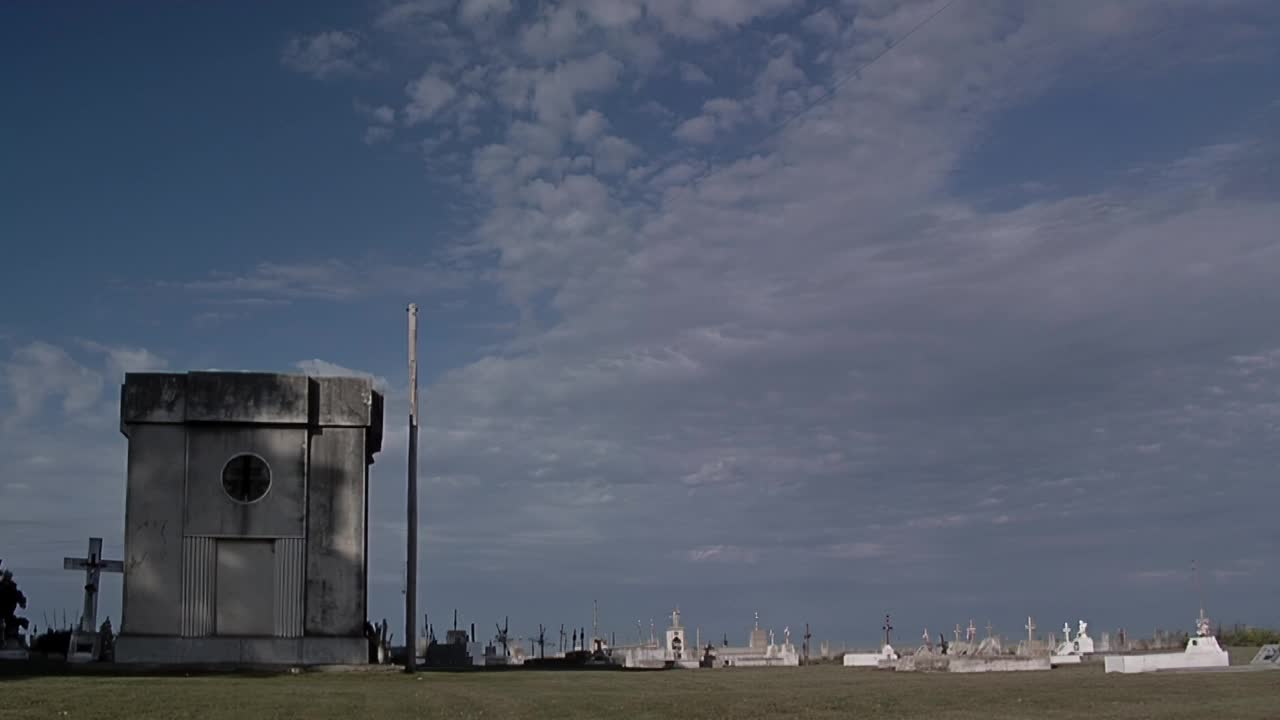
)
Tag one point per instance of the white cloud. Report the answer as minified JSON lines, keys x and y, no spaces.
{"x":124,"y":359}
{"x":719,"y":115}
{"x":380,"y":114}
{"x":324,"y":55}
{"x":590,"y":125}
{"x":701,"y":129}
{"x":323,"y":368}
{"x":39,"y":371}
{"x":375,"y":134}
{"x":553,"y":34}
{"x":471,"y":12}
{"x":824,"y":22}
{"x":613,"y":154}
{"x":693,"y":75}
{"x":429,"y":94}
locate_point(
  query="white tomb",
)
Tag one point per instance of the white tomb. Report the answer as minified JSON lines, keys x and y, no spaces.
{"x":1069,"y":651}
{"x":1202,"y":651}
{"x":886,"y":654}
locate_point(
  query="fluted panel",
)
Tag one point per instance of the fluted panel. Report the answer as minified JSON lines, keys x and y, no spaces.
{"x":289,"y":582}
{"x":199,"y":569}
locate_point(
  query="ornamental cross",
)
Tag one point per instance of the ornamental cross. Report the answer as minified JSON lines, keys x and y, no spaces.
{"x":93,"y":565}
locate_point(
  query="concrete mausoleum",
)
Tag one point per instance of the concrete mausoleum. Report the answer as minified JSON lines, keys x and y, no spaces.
{"x":246,"y":517}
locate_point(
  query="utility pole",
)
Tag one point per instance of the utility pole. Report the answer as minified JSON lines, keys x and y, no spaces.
{"x":411,"y":575}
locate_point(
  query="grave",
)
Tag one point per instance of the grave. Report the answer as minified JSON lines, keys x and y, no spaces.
{"x":886,"y":659}
{"x":1267,"y":655}
{"x":1202,"y":651}
{"x":246,"y":511}
{"x":1071,"y":652}
{"x":871,"y":659}
{"x":85,"y":644}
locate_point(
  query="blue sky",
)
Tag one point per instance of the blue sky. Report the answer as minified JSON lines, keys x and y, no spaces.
{"x":982,"y":333}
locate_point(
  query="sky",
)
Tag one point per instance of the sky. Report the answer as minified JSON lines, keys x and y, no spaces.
{"x":820,"y":310}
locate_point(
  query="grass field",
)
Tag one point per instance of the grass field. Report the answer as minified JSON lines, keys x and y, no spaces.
{"x":810,"y":692}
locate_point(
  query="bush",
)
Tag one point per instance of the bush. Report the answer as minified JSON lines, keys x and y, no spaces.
{"x":54,"y":642}
{"x":1243,"y":636}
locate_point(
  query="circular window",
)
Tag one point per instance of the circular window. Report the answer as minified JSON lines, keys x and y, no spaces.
{"x":246,"y":478}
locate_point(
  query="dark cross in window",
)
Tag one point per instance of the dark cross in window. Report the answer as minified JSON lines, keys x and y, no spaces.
{"x":246,"y":478}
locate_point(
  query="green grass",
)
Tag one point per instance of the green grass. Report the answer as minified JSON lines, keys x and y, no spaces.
{"x":811,"y":692}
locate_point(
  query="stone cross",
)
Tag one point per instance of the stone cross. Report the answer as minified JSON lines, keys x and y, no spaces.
{"x":989,"y":628}
{"x":957,"y":632}
{"x":1031,"y":629}
{"x":92,"y":564}
{"x":770,"y":637}
{"x":1066,"y":632}
{"x":972,"y":633}
{"x":888,"y":628}
{"x":675,"y":618}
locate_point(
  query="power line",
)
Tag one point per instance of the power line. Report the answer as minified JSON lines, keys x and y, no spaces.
{"x":856,"y":72}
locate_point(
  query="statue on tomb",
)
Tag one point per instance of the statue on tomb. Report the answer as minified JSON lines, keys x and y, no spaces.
{"x":11,"y":598}
{"x":1083,"y":627}
{"x":106,"y":641}
{"x":786,"y":635}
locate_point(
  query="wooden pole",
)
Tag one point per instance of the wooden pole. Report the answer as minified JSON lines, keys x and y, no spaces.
{"x":411,"y":574}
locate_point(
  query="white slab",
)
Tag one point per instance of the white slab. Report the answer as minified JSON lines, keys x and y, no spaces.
{"x":978,"y":664}
{"x":1201,"y":652}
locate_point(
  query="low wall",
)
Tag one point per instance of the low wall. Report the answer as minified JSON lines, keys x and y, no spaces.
{"x":998,"y":664}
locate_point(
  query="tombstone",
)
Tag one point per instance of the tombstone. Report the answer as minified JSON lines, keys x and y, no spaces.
{"x":1268,"y":655}
{"x":245,"y":517}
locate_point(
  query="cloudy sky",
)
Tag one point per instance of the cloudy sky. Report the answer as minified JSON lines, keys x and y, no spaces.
{"x":820,"y":309}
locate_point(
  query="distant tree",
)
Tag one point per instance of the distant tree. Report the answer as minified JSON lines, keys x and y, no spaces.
{"x":1245,"y":636}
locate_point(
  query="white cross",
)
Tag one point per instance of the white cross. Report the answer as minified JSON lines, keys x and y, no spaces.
{"x":972,"y":632}
{"x":92,"y":564}
{"x":1031,"y":628}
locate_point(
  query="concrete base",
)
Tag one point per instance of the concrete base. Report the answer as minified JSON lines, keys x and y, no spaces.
{"x":998,"y":664}
{"x":249,"y":651}
{"x":872,"y":660}
{"x":15,"y":654}
{"x":1057,"y":660}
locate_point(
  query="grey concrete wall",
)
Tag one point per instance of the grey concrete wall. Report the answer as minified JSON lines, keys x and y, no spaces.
{"x":279,"y":514}
{"x":153,"y":398}
{"x":343,"y":402}
{"x":335,"y":592}
{"x":152,"y":603}
{"x":247,"y":398}
{"x":243,"y":651}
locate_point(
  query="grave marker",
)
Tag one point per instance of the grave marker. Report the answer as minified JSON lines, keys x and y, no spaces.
{"x":85,"y":645}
